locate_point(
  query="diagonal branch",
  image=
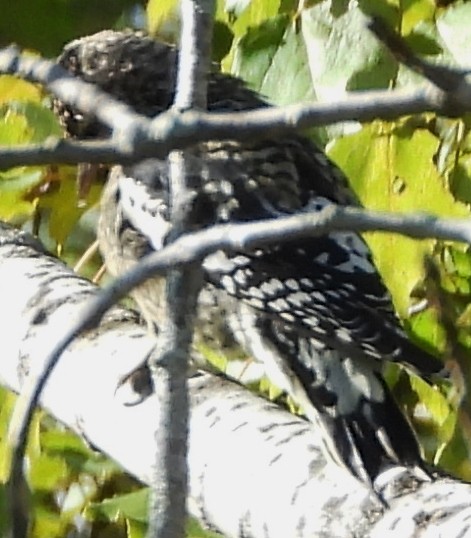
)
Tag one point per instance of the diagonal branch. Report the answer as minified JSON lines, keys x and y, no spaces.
{"x":193,"y":247}
{"x":449,"y":80}
{"x":255,"y":469}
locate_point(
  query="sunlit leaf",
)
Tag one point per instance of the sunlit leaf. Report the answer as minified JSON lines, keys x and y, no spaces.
{"x":415,"y":12}
{"x":16,"y":89}
{"x":454,"y":27}
{"x":342,"y":53}
{"x":434,"y":400}
{"x":391,"y":168}
{"x":65,"y":206}
{"x":255,"y":51}
{"x":130,"y":505}
{"x":163,"y":18}
{"x":46,"y":472}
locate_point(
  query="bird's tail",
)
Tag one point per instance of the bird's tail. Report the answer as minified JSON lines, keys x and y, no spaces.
{"x":361,"y":425}
{"x":364,"y":429}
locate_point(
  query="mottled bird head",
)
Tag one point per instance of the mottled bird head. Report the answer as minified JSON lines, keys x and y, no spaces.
{"x":140,"y":72}
{"x":130,"y":66}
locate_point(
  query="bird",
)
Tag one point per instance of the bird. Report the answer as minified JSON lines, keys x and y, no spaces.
{"x":314,"y":311}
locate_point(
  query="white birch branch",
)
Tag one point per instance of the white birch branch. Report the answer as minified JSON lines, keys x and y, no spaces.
{"x":254,"y":469}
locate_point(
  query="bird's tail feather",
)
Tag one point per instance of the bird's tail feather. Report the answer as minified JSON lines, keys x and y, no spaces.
{"x":365,"y":431}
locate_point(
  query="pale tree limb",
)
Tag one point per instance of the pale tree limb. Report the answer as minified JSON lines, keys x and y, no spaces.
{"x":169,"y":362}
{"x":254,"y":469}
{"x":195,"y":247}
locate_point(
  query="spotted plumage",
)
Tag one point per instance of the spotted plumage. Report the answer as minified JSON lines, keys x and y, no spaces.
{"x":314,"y":311}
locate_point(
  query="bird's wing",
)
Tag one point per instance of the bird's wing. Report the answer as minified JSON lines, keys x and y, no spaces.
{"x":326,"y":287}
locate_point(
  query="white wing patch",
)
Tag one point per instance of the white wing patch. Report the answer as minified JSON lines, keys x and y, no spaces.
{"x":143,"y":211}
{"x":359,"y":253}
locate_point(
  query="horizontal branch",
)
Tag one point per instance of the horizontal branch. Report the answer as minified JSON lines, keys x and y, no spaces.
{"x":255,"y":470}
{"x":63,"y":151}
{"x":137,"y":137}
{"x":243,"y":237}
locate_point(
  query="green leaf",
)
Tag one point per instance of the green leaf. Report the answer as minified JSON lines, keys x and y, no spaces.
{"x":130,"y":506}
{"x":460,"y":179}
{"x":47,"y":472}
{"x":270,"y":54}
{"x":42,"y":122}
{"x":255,"y":51}
{"x":78,"y":457}
{"x":13,"y":208}
{"x":22,"y":122}
{"x":45,"y":25}
{"x":249,"y":15}
{"x":454,"y":457}
{"x":454,"y":28}
{"x":415,"y":12}
{"x":434,"y":400}
{"x":427,"y":330}
{"x":342,"y":53}
{"x":7,"y":402}
{"x":163,"y":18}
{"x":289,"y":62}
{"x":222,"y":41}
{"x":61,"y":440}
{"x":391,"y":168}
{"x":423,"y":44}
{"x":48,"y":524}
{"x":66,"y":208}
{"x":15,"y":89}
{"x":135,"y":529}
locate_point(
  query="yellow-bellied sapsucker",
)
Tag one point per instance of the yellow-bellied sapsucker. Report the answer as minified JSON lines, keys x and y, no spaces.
{"x":314,"y":311}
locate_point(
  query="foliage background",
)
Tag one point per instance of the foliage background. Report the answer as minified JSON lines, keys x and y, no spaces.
{"x":288,"y":51}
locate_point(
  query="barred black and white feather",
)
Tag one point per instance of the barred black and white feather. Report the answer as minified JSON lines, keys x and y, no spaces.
{"x":314,"y":311}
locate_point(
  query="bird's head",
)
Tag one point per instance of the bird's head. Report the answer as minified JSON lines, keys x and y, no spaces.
{"x":131,"y":66}
{"x":142,"y":73}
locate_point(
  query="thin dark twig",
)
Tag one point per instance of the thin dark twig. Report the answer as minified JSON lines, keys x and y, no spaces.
{"x":446,"y":78}
{"x":179,"y":131}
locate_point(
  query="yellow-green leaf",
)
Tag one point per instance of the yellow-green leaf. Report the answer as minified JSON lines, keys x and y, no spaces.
{"x":163,"y":18}
{"x":392,"y":169}
{"x":13,"y":88}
